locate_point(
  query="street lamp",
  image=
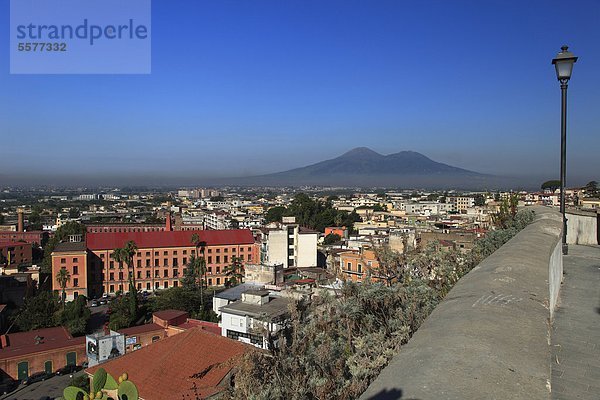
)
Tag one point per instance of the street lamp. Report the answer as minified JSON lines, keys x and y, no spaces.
{"x":564,"y":67}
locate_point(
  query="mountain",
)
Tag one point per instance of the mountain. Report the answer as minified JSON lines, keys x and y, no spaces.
{"x":364,"y":167}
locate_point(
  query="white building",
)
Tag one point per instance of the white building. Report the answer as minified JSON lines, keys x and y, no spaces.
{"x":293,"y":246}
{"x":256,"y":319}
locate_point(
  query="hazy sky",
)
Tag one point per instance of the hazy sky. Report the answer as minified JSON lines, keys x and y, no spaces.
{"x":248,"y":87}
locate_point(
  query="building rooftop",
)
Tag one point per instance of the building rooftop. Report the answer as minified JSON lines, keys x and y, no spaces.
{"x":135,"y":330}
{"x":39,"y":340}
{"x":277,"y":307}
{"x":167,"y":315}
{"x":144,"y":240}
{"x":235,"y":293}
{"x":69,"y":246}
{"x":171,"y":368}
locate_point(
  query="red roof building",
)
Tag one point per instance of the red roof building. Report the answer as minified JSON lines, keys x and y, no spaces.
{"x":194,"y":363}
{"x":25,"y":353}
{"x":160,"y":261}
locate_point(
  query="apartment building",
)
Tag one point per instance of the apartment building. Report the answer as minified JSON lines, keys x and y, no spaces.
{"x":158,"y":264}
{"x":292,"y":245}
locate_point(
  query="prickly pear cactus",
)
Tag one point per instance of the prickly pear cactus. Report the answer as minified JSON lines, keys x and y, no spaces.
{"x":103,"y":386}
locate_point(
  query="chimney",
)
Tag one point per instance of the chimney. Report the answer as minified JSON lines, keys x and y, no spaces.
{"x":20,"y":220}
{"x":168,"y":226}
{"x":4,"y":341}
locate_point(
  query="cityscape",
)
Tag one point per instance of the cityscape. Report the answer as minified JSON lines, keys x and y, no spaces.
{"x":299,"y":200}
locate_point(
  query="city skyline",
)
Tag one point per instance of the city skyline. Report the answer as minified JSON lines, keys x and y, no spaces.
{"x":240,"y":89}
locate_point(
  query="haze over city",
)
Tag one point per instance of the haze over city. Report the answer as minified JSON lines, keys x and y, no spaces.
{"x":248,"y":88}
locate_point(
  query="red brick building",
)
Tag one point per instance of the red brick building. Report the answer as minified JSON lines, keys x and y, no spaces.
{"x":25,"y":353}
{"x":15,"y":254}
{"x":159,"y":263}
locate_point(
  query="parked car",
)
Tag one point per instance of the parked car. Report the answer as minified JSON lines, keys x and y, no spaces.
{"x":37,"y":377}
{"x":95,"y":303}
{"x":103,"y":301}
{"x":67,"y":370}
{"x":8,"y":386}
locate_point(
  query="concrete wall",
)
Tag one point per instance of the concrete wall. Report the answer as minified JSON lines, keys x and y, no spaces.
{"x":307,"y":250}
{"x":489,"y":338}
{"x":582,"y":227}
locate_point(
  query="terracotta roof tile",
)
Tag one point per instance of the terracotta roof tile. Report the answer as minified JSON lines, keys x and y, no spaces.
{"x":170,"y":368}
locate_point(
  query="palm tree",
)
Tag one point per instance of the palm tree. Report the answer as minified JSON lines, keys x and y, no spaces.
{"x":63,"y":276}
{"x":125,"y":255}
{"x":200,"y":245}
{"x":235,"y":271}
{"x":197,"y":266}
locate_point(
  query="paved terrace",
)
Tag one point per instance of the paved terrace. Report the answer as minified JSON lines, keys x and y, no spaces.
{"x":497,"y":334}
{"x":576,"y":328}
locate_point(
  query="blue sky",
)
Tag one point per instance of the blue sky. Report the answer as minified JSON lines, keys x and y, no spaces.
{"x":248,"y":87}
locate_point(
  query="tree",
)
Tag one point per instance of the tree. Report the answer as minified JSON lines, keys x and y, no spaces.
{"x":75,"y":316}
{"x":479,"y":200}
{"x":39,"y":311}
{"x":551,"y":185}
{"x":62,"y":277}
{"x":234,"y":272}
{"x":331,"y":239}
{"x":591,"y":189}
{"x":275,"y":214}
{"x":121,"y":315}
{"x":125,"y":255}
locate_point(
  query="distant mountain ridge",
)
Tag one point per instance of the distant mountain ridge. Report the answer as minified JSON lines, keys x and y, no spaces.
{"x":364,"y":167}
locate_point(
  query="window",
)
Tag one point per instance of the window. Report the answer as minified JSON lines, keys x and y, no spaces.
{"x":165,"y":284}
{"x":209,"y":281}
{"x":147,"y":285}
{"x":349,"y":266}
{"x":139,"y":274}
{"x":101,"y":255}
{"x":155,"y":339}
{"x":147,"y":254}
{"x":176,"y":283}
{"x":210,"y":259}
{"x":225,"y":250}
{"x":156,"y":254}
{"x":120,"y":287}
{"x":209,"y":269}
{"x":166,"y":262}
{"x":120,"y":276}
{"x":75,"y":259}
{"x":185,"y":252}
{"x":63,"y":260}
{"x":184,"y":260}
{"x":166,"y":273}
{"x":175,"y":273}
{"x":359,"y":268}
{"x":147,"y":263}
{"x":174,"y":252}
{"x":112,"y":264}
{"x":147,"y":274}
{"x":218,"y":281}
{"x":112,"y":288}
{"x":225,"y":259}
{"x":156,"y":274}
{"x":111,"y":277}
{"x":139,"y":263}
{"x":218,"y":250}
{"x":165,"y":253}
{"x":76,"y":282}
{"x":156,"y":262}
{"x":75,"y":270}
{"x":139,"y":286}
{"x":233,"y":250}
{"x":175,"y":262}
{"x":249,"y":257}
{"x":218,"y":260}
{"x":156,"y":284}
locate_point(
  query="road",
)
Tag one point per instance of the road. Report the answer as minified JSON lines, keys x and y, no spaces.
{"x":52,"y":388}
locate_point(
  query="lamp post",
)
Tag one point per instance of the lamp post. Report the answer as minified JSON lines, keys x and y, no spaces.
{"x":564,"y":67}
